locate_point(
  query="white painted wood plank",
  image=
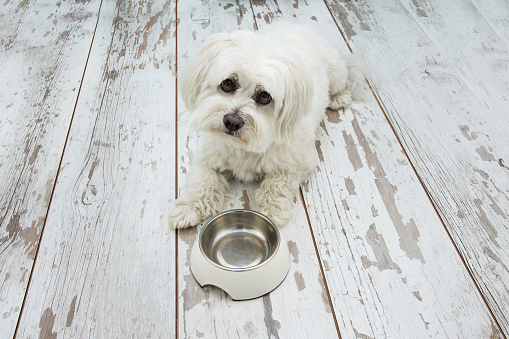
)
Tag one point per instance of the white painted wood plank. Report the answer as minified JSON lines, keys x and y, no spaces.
{"x":390,"y":266}
{"x":43,"y":52}
{"x":478,"y":56}
{"x":299,"y":307}
{"x":106,"y":264}
{"x":453,"y":126}
{"x":496,"y":14}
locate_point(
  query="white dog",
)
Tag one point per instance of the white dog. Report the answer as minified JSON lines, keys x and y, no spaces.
{"x":257,"y":99}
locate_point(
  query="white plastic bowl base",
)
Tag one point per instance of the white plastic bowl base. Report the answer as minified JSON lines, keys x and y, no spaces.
{"x":242,"y":283}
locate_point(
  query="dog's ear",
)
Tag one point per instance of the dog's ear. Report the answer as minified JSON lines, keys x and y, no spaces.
{"x":195,"y":75}
{"x":298,"y":95}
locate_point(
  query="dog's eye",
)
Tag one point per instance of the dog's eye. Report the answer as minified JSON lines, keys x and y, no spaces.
{"x":264,"y":98}
{"x":228,"y":86}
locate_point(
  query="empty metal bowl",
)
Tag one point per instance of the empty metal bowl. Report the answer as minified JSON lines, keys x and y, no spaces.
{"x":240,"y":251}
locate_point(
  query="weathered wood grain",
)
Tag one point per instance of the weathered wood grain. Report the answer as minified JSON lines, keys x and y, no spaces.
{"x":496,"y":14}
{"x":390,"y":267}
{"x":43,"y":52}
{"x":454,"y":127}
{"x":106,"y":263}
{"x":475,"y":52}
{"x":299,"y":307}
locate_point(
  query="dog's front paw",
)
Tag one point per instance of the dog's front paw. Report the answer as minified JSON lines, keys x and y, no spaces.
{"x":183,"y":216}
{"x":279,"y":216}
{"x":278,"y":209}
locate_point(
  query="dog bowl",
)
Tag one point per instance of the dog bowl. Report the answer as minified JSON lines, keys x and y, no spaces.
{"x":241,"y":252}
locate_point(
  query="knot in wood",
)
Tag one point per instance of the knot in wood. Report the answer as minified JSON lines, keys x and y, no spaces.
{"x":89,"y":195}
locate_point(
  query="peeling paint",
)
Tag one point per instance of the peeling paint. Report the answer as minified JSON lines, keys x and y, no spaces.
{"x":351,"y":149}
{"x":486,"y":223}
{"x":495,"y":331}
{"x":31,"y":237}
{"x":333,"y":116}
{"x":305,"y":185}
{"x":408,"y":232}
{"x":46,"y":325}
{"x":495,"y":258}
{"x":485,"y":154}
{"x":110,"y":75}
{"x":345,"y":205}
{"x":272,"y":325}
{"x":350,"y":186}
{"x":374,"y":211}
{"x":359,"y":335}
{"x":380,"y":250}
{"x":245,"y":200}
{"x":193,"y":293}
{"x":70,"y":314}
{"x":324,"y":295}
{"x":34,"y":155}
{"x":322,"y":125}
{"x":494,"y":206}
{"x":318,"y":145}
{"x":426,"y":324}
{"x":241,"y":11}
{"x":419,"y":10}
{"x":143,"y":209}
{"x":13,"y":227}
{"x":292,"y":246}
{"x":92,"y":169}
{"x":464,"y":130}
{"x":299,"y":280}
{"x":417,"y":295}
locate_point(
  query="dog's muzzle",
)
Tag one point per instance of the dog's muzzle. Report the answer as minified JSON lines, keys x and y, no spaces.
{"x":232,"y":122}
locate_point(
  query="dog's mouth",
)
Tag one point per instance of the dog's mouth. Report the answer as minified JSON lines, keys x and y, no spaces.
{"x":237,"y":135}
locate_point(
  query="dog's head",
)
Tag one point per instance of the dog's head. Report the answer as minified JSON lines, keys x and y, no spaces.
{"x":247,"y":87}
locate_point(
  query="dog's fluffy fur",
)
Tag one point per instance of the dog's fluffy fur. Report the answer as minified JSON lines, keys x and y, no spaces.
{"x":302,"y":74}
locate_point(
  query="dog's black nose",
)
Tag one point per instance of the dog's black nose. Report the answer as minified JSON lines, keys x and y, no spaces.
{"x":233,"y":122}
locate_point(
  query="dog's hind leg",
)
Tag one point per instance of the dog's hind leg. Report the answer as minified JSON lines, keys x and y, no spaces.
{"x":344,"y":79}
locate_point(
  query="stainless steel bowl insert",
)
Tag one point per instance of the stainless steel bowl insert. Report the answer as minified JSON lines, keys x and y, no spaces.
{"x":239,"y":240}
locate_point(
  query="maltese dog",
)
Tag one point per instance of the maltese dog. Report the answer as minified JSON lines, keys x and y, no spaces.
{"x":257,"y":100}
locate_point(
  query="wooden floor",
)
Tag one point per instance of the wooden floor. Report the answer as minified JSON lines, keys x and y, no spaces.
{"x":400,"y":232}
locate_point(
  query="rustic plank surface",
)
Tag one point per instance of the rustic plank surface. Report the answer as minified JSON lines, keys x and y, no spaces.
{"x":370,"y":254}
{"x":43,"y":52}
{"x":106,"y":264}
{"x":496,"y":14}
{"x":299,"y":307}
{"x":390,"y":267}
{"x":454,"y":129}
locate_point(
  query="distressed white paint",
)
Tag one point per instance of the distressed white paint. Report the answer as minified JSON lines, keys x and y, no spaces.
{"x":106,"y":264}
{"x":390,"y":267}
{"x":454,"y":127}
{"x":496,"y":14}
{"x":43,"y":51}
{"x":299,"y":307}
